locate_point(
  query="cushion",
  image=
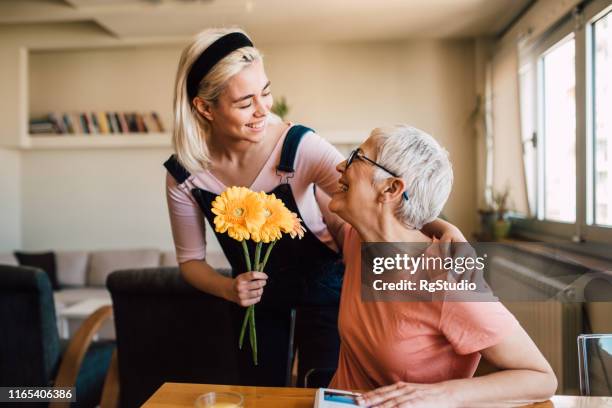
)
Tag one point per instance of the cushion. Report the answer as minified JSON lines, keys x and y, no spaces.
{"x":42,"y":260}
{"x":102,"y":263}
{"x":71,"y":268}
{"x":68,"y":297}
{"x":90,"y":380}
{"x":8,"y":259}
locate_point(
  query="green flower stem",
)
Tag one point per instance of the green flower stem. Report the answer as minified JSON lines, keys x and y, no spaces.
{"x":265,"y":260}
{"x":244,"y":323}
{"x":252,"y":331}
{"x":247,"y":257}
{"x":257,"y":255}
{"x":253,"y":336}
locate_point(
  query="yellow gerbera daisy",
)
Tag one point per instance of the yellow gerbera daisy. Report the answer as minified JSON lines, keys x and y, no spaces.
{"x":295,"y":227}
{"x":277,"y":216}
{"x":239,"y":211}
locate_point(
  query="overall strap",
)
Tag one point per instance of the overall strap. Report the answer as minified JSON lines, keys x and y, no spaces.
{"x":176,"y":170}
{"x":290,"y":146}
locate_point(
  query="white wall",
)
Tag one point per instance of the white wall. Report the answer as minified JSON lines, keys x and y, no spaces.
{"x":89,"y":199}
{"x":10,"y":200}
{"x":358,"y":86}
{"x":114,"y":198}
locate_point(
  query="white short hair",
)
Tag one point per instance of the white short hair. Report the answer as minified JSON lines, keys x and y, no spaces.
{"x":424,"y":166}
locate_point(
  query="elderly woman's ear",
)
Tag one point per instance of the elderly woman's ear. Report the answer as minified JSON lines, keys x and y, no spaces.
{"x":393,"y":188}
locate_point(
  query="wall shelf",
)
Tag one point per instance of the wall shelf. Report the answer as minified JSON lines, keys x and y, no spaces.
{"x":86,"y":141}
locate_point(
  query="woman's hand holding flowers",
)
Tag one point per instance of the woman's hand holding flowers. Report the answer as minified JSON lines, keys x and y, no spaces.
{"x":247,"y":288}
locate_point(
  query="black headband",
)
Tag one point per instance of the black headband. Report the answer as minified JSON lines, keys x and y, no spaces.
{"x":211,"y":56}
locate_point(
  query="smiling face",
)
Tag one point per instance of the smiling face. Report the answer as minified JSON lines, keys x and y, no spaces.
{"x":357,"y":196}
{"x":242,"y":109}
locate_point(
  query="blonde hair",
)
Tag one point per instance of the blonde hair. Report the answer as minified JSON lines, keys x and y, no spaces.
{"x":191,"y":129}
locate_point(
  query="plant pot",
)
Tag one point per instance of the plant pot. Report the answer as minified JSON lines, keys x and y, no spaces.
{"x":487,"y":223}
{"x":501,"y":229}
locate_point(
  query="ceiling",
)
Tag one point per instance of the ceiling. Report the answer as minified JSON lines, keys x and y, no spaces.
{"x":276,"y":20}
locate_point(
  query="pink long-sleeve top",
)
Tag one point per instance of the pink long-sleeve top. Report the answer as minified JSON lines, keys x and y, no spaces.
{"x":315,"y":162}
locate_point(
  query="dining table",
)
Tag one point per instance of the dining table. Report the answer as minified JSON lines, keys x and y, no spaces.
{"x":184,"y":395}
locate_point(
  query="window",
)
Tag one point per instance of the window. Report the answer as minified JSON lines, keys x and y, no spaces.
{"x":602,"y":125}
{"x":565,"y":83}
{"x":557,"y":99}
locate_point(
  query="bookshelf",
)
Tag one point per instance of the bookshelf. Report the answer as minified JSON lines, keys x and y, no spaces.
{"x":119,"y":78}
{"x":109,"y":76}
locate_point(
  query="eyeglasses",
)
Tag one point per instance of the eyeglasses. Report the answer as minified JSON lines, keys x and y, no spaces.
{"x":356,"y":154}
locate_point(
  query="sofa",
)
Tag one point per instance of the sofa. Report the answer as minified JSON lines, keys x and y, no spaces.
{"x":81,"y":275}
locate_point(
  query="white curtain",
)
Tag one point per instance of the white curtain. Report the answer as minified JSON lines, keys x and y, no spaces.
{"x":508,"y":164}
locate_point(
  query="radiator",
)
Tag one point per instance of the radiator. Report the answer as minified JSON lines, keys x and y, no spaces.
{"x":552,"y":325}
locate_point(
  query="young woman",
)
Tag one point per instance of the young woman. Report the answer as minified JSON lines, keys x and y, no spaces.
{"x":224,"y":135}
{"x":422,"y":353}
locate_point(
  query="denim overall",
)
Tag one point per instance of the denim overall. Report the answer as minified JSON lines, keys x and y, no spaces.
{"x":305,"y":275}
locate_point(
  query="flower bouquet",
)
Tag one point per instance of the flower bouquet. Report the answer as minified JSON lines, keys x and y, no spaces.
{"x":247,"y":215}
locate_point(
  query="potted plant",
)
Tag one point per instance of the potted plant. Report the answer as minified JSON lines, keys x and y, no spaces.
{"x":488,"y":217}
{"x":501,"y":227}
{"x":280,"y":107}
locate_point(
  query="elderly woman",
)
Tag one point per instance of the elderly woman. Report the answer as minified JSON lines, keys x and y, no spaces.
{"x":420,"y":353}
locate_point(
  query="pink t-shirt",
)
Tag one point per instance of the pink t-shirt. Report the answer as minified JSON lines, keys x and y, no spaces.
{"x":419,"y":342}
{"x":315,"y":162}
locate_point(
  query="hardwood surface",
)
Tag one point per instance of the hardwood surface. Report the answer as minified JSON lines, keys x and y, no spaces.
{"x":77,"y":348}
{"x":184,"y":395}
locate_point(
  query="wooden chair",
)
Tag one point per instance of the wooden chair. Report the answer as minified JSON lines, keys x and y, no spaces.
{"x":31,"y":351}
{"x":167,"y":331}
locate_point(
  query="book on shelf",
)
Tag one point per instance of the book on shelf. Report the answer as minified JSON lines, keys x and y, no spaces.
{"x":131,"y":122}
{"x":58,"y":122}
{"x":140,"y":125}
{"x":96,"y":123}
{"x":102,"y":122}
{"x":112,"y":121}
{"x":90,"y":124}
{"x":123,"y":122}
{"x":92,"y":121}
{"x":160,"y":126}
{"x":68,"y":123}
{"x":42,"y":126}
{"x":84,"y":124}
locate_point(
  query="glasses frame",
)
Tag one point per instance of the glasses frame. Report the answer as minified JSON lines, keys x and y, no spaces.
{"x":357,"y":154}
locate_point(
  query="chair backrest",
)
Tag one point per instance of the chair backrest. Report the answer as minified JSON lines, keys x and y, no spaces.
{"x":318,"y":377}
{"x":595,"y":364}
{"x":30,"y":349}
{"x":167,"y":331}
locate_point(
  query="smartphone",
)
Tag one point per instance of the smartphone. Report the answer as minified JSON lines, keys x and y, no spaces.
{"x":329,"y":398}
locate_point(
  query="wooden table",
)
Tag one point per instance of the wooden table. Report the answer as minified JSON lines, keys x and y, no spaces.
{"x":184,"y":395}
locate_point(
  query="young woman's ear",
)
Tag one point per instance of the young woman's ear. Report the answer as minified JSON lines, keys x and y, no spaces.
{"x":394,"y":188}
{"x":203,"y":107}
